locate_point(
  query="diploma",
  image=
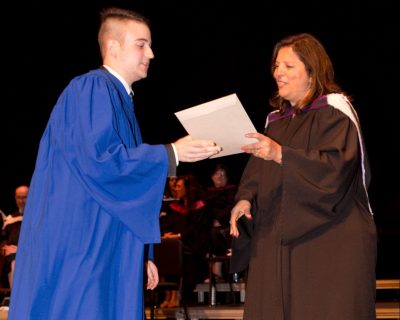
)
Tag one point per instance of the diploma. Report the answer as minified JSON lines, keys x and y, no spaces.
{"x":222,"y":120}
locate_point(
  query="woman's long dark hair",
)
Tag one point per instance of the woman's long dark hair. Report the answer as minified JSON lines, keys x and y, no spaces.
{"x":194,"y":190}
{"x":318,"y":66}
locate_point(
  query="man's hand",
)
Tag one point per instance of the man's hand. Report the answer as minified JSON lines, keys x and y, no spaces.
{"x":10,"y":220}
{"x":190,"y":150}
{"x":152,"y":275}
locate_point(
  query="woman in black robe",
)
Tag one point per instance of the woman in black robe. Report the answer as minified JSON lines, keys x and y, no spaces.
{"x":219,"y":203}
{"x":187,"y":220}
{"x":313,"y":237}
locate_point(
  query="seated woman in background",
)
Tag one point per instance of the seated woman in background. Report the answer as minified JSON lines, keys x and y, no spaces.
{"x":188,"y":221}
{"x":171,"y":299}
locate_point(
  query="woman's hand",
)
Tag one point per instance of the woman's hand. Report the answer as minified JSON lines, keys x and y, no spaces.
{"x":241,"y":208}
{"x":265,"y":148}
{"x":9,"y":249}
{"x":170,"y":235}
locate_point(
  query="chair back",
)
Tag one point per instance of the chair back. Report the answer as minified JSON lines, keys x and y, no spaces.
{"x":168,"y":257}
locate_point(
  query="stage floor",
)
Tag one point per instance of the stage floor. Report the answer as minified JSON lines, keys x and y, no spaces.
{"x":384,"y":310}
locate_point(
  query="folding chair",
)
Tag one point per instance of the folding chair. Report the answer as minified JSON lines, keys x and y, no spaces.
{"x":168,"y":259}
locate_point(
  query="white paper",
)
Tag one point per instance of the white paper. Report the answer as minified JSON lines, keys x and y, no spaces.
{"x":222,"y":120}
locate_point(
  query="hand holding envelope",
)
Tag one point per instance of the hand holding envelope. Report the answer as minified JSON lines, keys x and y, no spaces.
{"x":190,"y":150}
{"x":222,"y":120}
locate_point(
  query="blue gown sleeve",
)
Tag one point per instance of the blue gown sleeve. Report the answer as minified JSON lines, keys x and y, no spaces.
{"x":101,"y":142}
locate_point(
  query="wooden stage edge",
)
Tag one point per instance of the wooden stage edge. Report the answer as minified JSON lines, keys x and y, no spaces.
{"x":384,"y":310}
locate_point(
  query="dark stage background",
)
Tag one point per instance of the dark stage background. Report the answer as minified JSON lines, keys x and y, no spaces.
{"x":205,"y":50}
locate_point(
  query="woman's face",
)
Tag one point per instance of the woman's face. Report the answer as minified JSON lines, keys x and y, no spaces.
{"x":180,"y":189}
{"x":171,"y":182}
{"x":219,"y":178}
{"x":291,"y":76}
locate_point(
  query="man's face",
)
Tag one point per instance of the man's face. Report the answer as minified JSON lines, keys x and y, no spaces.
{"x":135,"y":52}
{"x":21,"y":194}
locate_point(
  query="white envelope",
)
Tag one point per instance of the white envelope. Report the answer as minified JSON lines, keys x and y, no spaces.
{"x":222,"y":120}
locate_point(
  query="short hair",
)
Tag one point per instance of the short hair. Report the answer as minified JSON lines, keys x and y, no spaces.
{"x":318,"y":66}
{"x":116,"y":14}
{"x":122,"y":14}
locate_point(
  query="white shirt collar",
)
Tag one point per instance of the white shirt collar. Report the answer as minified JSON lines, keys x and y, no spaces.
{"x":124,"y":83}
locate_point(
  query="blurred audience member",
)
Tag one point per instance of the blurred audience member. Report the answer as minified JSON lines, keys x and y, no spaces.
{"x":10,"y":231}
{"x":169,"y":195}
{"x":219,"y":203}
{"x":169,"y":192}
{"x":188,"y":221}
{"x":171,"y":296}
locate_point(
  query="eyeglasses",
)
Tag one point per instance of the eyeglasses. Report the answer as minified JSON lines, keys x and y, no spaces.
{"x":219,"y":173}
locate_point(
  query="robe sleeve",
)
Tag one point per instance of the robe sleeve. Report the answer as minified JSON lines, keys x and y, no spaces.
{"x":249,"y":181}
{"x":100,"y":144}
{"x":247,"y":190}
{"x":317,"y":179}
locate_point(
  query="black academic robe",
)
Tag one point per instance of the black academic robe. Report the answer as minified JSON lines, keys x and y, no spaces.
{"x":313,"y":242}
{"x":219,"y":203}
{"x":193,"y":224}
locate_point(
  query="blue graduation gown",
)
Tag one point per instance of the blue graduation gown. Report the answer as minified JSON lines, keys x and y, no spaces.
{"x":93,"y":204}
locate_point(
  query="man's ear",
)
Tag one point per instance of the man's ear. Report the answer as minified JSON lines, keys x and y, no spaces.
{"x":113,"y":47}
